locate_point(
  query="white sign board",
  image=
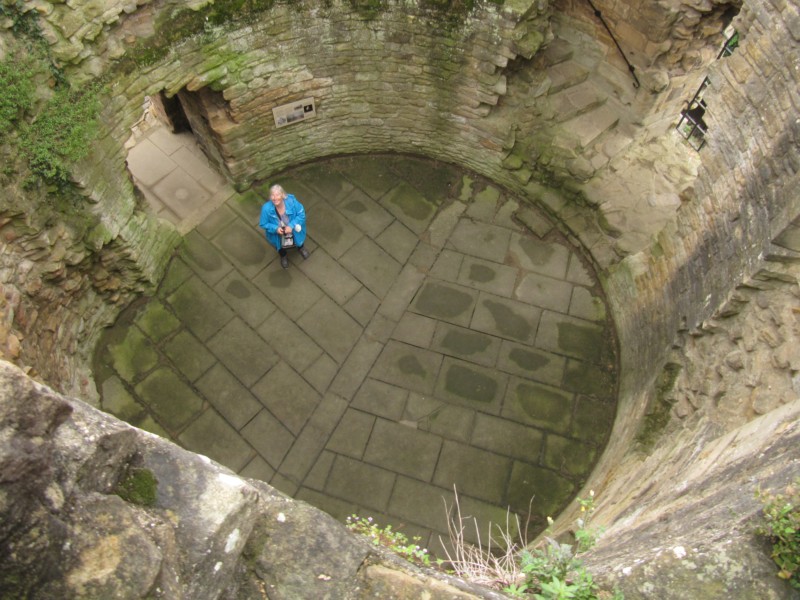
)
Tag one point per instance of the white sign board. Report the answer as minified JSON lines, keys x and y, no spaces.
{"x":302,"y":110}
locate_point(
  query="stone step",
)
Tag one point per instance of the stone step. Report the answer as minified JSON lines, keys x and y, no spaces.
{"x":565,"y":75}
{"x":589,"y":126}
{"x":556,"y":52}
{"x":575,"y":100}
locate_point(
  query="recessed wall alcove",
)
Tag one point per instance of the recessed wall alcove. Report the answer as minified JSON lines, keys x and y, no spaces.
{"x":443,"y":335}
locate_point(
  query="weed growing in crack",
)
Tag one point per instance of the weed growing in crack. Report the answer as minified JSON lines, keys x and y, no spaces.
{"x":389,"y":538}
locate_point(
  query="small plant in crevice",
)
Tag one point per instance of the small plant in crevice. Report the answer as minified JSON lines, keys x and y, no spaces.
{"x":551,"y":570}
{"x":389,"y":538}
{"x":781,"y":525}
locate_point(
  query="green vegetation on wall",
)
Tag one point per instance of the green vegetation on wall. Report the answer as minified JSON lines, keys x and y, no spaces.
{"x":181,"y":24}
{"x":16,"y":94}
{"x":43,"y":120}
{"x":781,"y":526}
{"x":52,"y":134}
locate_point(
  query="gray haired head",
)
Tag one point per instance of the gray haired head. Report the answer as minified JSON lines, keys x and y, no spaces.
{"x":277,"y":189}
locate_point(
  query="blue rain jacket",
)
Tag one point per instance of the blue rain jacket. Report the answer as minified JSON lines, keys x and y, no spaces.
{"x":270,"y":222}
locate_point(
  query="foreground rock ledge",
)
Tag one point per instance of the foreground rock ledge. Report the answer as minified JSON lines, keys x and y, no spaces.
{"x":67,"y":531}
{"x":208,"y":534}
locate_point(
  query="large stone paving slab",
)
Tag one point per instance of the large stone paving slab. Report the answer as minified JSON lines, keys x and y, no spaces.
{"x":360,"y":210}
{"x":358,"y":482}
{"x":474,"y":472}
{"x":287,"y":396}
{"x":381,"y":399}
{"x":331,"y":277}
{"x":410,"y":207}
{"x":531,"y":363}
{"x":290,"y":342}
{"x":244,"y":298}
{"x":333,"y":329}
{"x":508,"y":319}
{"x":481,"y":240}
{"x":488,"y":276}
{"x":408,"y":367}
{"x":244,"y":247}
{"x":331,"y":231}
{"x":210,"y":435}
{"x":440,"y":337}
{"x":371,"y":266}
{"x":445,"y":302}
{"x":573,"y":337}
{"x":546,"y":292}
{"x":172,"y":400}
{"x":289,"y":289}
{"x":204,"y":258}
{"x":372,"y":174}
{"x":471,"y":385}
{"x":242,"y":351}
{"x":200,"y":308}
{"x":189,"y":355}
{"x":472,"y":346}
{"x":403,"y":449}
{"x":543,"y":257}
{"x":269,"y":437}
{"x":226,"y":393}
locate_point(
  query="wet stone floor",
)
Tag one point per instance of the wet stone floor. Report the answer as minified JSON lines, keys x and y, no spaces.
{"x":441,"y":336}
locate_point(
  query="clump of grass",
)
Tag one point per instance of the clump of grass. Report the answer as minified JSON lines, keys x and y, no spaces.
{"x":552,"y":570}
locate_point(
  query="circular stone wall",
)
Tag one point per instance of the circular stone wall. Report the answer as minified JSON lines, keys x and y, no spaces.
{"x":440,"y":335}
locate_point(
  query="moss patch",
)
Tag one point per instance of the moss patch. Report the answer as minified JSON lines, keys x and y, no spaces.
{"x":588,"y":379}
{"x":583,"y":341}
{"x":657,"y":418}
{"x":138,"y":486}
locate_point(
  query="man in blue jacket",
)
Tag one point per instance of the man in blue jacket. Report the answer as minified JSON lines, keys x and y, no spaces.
{"x":283,"y":219}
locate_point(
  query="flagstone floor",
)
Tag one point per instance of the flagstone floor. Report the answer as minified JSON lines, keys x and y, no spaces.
{"x":442,"y":335}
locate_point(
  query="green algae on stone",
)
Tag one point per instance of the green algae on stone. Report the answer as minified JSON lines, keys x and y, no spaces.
{"x":593,"y":420}
{"x":657,"y":416}
{"x":549,"y":490}
{"x":138,"y":486}
{"x":156,"y":322}
{"x":410,"y":202}
{"x":591,"y":380}
{"x":585,"y":341}
{"x":133,"y":355}
{"x":545,"y":406}
{"x":466,"y":189}
{"x":170,"y":398}
{"x":568,"y":456}
{"x":119,"y":402}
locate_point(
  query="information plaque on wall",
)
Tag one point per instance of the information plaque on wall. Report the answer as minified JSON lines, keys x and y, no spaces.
{"x":294,"y":112}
